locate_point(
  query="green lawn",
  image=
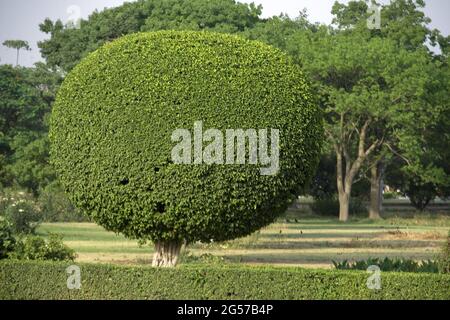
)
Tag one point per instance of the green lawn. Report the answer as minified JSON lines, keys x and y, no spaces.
{"x":308,"y":242}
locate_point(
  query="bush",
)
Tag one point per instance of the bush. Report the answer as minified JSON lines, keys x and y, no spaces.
{"x":391,"y":195}
{"x":325,"y":207}
{"x":387,"y":264}
{"x":7,"y":240}
{"x":48,"y":280}
{"x":358,"y":207}
{"x":37,"y":248}
{"x":23,"y":217}
{"x":114,"y":116}
{"x":330,"y":207}
{"x":205,"y":258}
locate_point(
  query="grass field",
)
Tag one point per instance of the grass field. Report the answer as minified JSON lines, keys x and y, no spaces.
{"x":306,"y":241}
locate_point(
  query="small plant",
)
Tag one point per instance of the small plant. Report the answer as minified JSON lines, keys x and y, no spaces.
{"x":444,"y":257}
{"x":387,"y":264}
{"x":206,"y":258}
{"x":20,"y":210}
{"x":37,"y":248}
{"x":23,"y":217}
{"x":391,"y":195}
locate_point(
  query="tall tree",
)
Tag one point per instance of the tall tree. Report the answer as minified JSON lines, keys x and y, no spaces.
{"x":403,"y":22}
{"x":67,"y":46}
{"x":18,"y":45}
{"x":26,"y":97}
{"x":368,"y":86}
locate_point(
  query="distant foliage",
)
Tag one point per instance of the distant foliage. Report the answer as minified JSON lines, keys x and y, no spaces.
{"x":26,"y":96}
{"x":323,"y":185}
{"x":67,"y":46}
{"x":325,"y":207}
{"x":21,"y":211}
{"x":56,"y":207}
{"x":330,"y":207}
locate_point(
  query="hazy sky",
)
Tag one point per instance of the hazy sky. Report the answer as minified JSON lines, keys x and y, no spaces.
{"x":19,"y":19}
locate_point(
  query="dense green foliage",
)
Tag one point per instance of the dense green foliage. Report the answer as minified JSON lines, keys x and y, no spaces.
{"x":20,"y":215}
{"x":20,"y":211}
{"x":38,"y":248}
{"x":67,"y":46}
{"x":23,"y":217}
{"x":330,"y":207}
{"x":208,"y":282}
{"x":30,"y":247}
{"x":388,"y":78}
{"x":116,"y":111}
{"x":26,"y":97}
{"x":7,"y":240}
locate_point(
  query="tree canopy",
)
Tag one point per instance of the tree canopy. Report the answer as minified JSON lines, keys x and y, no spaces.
{"x":67,"y":46}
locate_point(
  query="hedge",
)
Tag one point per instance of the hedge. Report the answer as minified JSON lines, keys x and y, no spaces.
{"x":114,"y":116}
{"x":47,"y":280}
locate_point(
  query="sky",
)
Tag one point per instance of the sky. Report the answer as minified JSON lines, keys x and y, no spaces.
{"x":20,"y":19}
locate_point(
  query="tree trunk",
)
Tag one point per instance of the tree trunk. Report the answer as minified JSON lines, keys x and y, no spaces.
{"x":17,"y":58}
{"x":346,"y":172}
{"x":166,"y":253}
{"x":376,"y":191}
{"x":344,"y":202}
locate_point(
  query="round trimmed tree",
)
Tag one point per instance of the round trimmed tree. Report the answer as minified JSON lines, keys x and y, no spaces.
{"x":112,"y":140}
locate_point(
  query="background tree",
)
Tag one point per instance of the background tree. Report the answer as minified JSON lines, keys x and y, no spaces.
{"x":67,"y":46}
{"x":26,"y":97}
{"x":18,"y":45}
{"x":404,"y":22}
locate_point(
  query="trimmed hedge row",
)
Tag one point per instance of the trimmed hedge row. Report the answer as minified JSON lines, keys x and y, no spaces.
{"x":47,"y":280}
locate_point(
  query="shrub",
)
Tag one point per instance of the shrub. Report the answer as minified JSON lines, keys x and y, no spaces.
{"x":7,"y":240}
{"x":357,"y":207}
{"x":48,"y":280}
{"x":387,"y":264}
{"x":113,"y":120}
{"x":391,"y":195}
{"x":325,"y":207}
{"x":330,"y":207}
{"x":205,"y":258}
{"x":56,"y":250}
{"x":37,"y":248}
{"x":23,"y":216}
{"x":20,"y":210}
